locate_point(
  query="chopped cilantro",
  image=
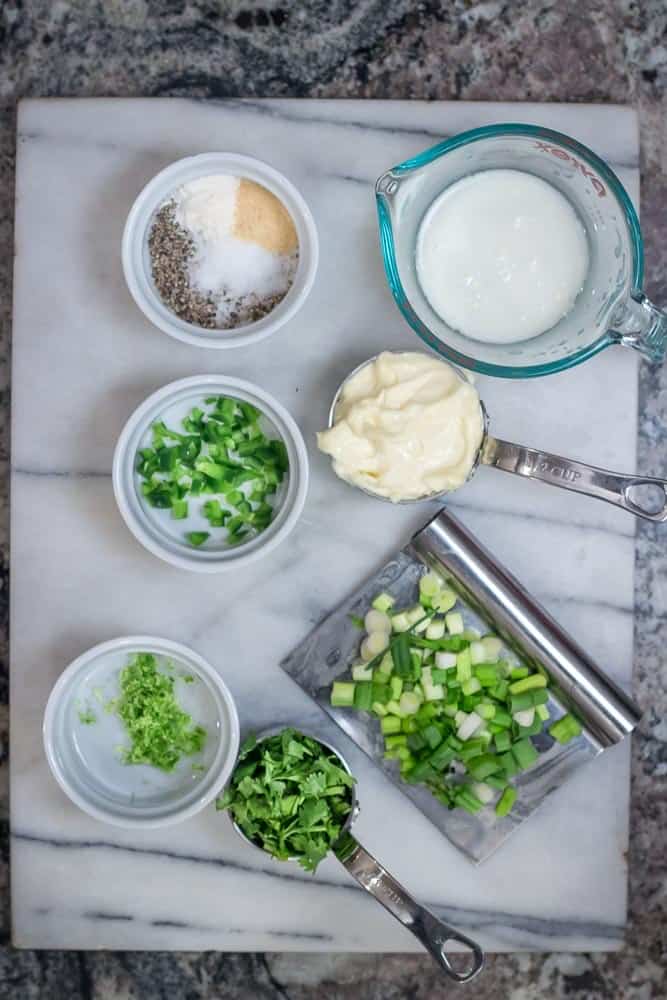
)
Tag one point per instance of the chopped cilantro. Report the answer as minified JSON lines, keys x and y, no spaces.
{"x":87,"y":716}
{"x":159,"y":730}
{"x":290,"y":796}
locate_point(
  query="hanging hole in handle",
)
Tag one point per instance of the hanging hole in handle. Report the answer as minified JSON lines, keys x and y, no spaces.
{"x":647,"y":498}
{"x":463,"y":965}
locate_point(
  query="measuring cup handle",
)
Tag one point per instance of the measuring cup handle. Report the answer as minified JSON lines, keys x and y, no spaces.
{"x":638,"y":323}
{"x":614,"y":487}
{"x":433,"y":933}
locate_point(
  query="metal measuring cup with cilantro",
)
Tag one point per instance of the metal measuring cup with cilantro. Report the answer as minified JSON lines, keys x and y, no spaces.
{"x":291,"y":796}
{"x":294,"y":797}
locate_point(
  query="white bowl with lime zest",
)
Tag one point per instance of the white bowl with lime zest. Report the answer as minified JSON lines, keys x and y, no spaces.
{"x":189,"y":729}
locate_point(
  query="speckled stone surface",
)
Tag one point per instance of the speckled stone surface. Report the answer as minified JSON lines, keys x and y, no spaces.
{"x":558,"y":50}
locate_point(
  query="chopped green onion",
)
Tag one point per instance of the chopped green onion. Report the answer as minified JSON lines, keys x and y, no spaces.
{"x":390,"y":724}
{"x":481,"y":767}
{"x":399,"y":740}
{"x":473,"y":748}
{"x":396,"y":687}
{"x":565,"y":729}
{"x":524,"y":753}
{"x":400,"y":622}
{"x":502,"y":741}
{"x":497,"y":781}
{"x":373,"y":645}
{"x":509,"y":764}
{"x":469,"y":726}
{"x":363,"y":696}
{"x":528,"y":684}
{"x":361,"y":672}
{"x":409,"y":703}
{"x":445,"y":661}
{"x":342,"y":694}
{"x":471,"y":686}
{"x":492,"y":646}
{"x":446,"y":697}
{"x":525,"y":718}
{"x":377,"y":621}
{"x":383,"y":602}
{"x":444,"y":601}
{"x":484,"y":792}
{"x":400,"y":654}
{"x":381,"y":693}
{"x":506,"y":801}
{"x":486,"y":674}
{"x":520,"y":702}
{"x":463,"y":666}
{"x":433,"y":735}
{"x":465,"y":799}
{"x":436,"y":629}
{"x":454,"y":623}
{"x":429,"y":586}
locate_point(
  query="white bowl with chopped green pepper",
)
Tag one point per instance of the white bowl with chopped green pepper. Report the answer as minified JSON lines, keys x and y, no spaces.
{"x":141,"y":732}
{"x":210,"y":472}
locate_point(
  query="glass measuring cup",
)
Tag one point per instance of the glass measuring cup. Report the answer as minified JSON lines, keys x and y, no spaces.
{"x":644,"y":496}
{"x":610,"y":309}
{"x":432,"y":932}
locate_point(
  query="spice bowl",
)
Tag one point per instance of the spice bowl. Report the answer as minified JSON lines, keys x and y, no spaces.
{"x":156,"y":528}
{"x":84,"y":736}
{"x":136,"y":256}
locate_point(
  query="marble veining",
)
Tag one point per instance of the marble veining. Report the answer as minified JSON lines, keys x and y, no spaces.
{"x":83,"y":350}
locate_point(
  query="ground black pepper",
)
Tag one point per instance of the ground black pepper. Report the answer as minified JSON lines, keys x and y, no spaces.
{"x":170,"y":248}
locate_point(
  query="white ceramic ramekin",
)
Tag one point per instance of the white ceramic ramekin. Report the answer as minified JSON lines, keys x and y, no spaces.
{"x":136,"y":260}
{"x":163,"y":536}
{"x":82,"y":736}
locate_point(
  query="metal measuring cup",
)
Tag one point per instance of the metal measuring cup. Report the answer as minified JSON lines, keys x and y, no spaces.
{"x":376,"y":880}
{"x":615,"y":487}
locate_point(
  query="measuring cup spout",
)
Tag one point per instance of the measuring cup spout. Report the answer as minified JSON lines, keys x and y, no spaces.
{"x":433,"y":933}
{"x":644,"y":496}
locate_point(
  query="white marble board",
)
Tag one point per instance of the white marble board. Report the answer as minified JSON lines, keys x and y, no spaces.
{"x":84,"y":357}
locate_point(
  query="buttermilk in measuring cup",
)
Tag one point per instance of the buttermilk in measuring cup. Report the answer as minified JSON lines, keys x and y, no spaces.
{"x":501,"y":256}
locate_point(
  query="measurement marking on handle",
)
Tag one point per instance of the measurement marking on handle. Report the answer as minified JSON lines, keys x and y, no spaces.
{"x":556,"y":471}
{"x":377,"y":881}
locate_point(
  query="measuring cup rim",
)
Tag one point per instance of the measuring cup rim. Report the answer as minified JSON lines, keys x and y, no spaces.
{"x":266,"y":734}
{"x":429,"y":497}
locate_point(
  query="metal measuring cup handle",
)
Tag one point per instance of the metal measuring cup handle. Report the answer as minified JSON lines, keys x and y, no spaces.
{"x":616,"y":488}
{"x":433,"y":933}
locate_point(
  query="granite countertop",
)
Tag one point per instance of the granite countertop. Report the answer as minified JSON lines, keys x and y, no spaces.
{"x":611,"y":51}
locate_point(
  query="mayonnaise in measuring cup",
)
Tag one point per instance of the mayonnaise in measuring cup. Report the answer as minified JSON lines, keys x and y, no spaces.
{"x":406,"y":425}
